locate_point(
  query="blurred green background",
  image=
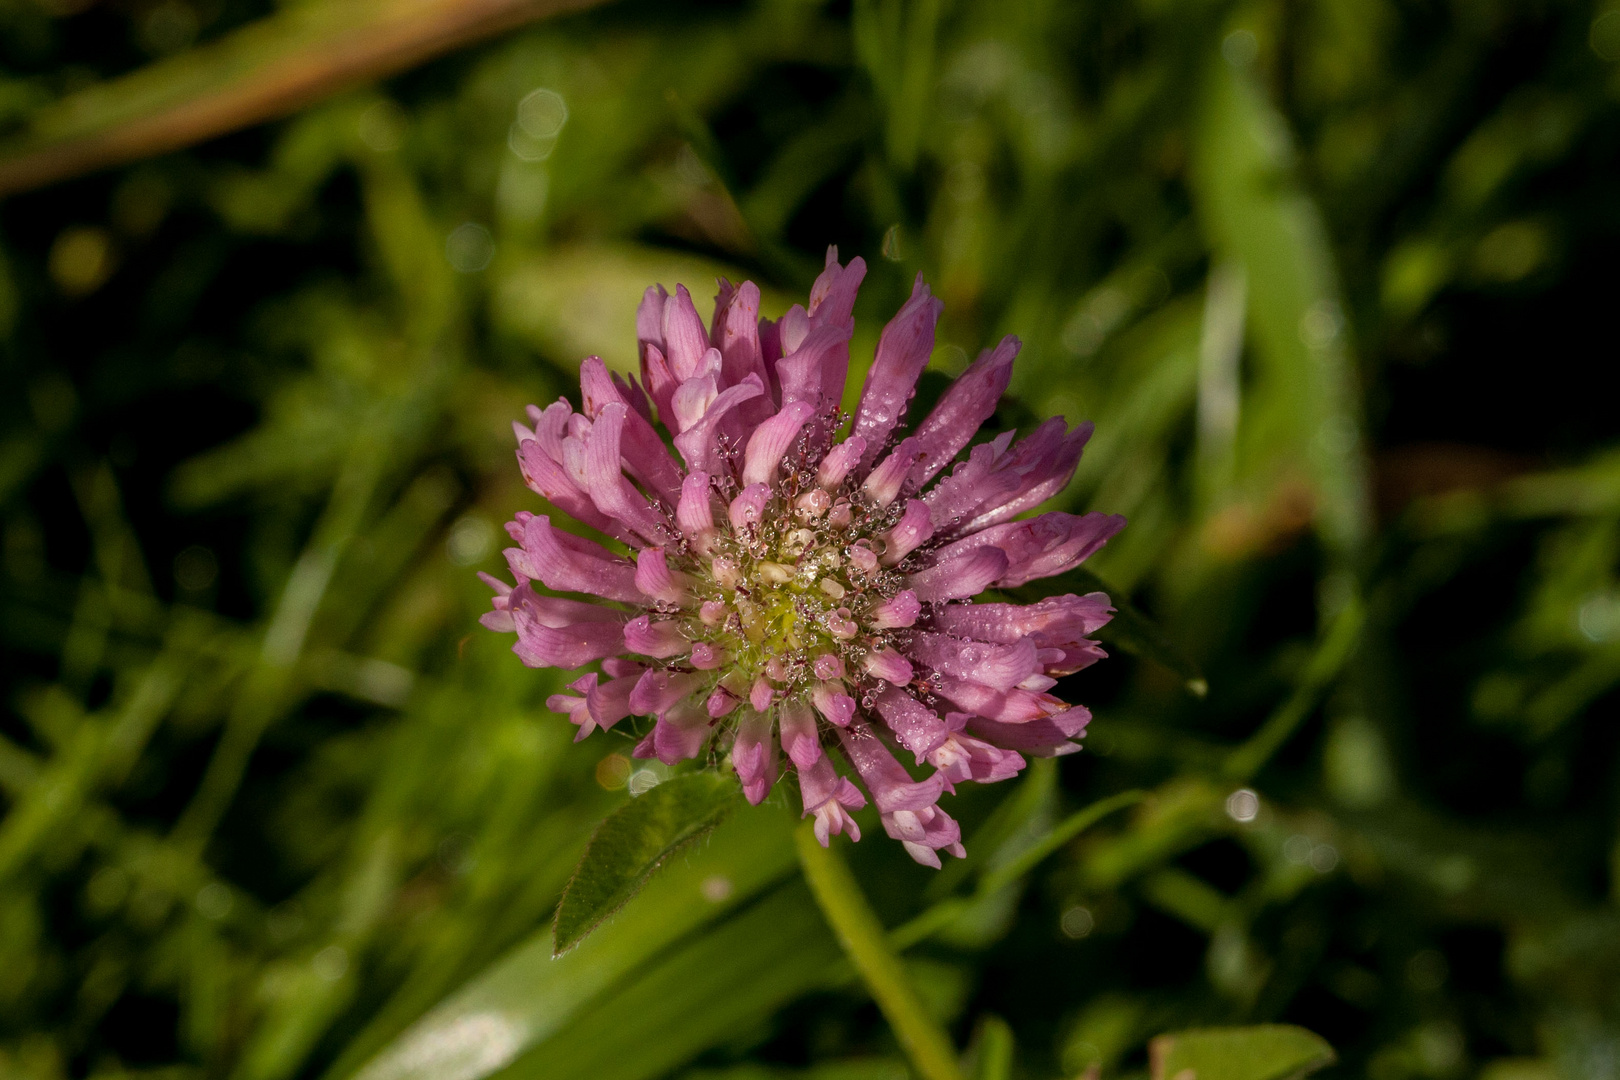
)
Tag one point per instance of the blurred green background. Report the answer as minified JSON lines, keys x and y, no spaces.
{"x":1335,"y":280}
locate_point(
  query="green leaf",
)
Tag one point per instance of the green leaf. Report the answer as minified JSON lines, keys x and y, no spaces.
{"x":530,"y":999}
{"x":1129,"y":628}
{"x":1263,"y":1052}
{"x":632,"y":842}
{"x":704,"y":991}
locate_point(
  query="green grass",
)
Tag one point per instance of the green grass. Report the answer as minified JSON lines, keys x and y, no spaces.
{"x":1332,"y":281}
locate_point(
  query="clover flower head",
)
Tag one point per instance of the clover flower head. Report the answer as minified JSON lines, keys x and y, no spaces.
{"x":799,"y":581}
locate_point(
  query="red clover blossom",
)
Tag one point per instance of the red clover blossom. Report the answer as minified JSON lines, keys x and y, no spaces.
{"x":783,"y":584}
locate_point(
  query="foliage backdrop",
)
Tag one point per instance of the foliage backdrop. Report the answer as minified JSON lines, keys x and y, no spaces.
{"x":1333,"y":279}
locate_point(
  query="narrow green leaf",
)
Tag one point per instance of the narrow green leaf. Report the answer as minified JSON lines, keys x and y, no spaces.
{"x":1263,"y":1052}
{"x":632,"y":842}
{"x":702,"y":992}
{"x":529,"y":996}
{"x":1129,"y":629}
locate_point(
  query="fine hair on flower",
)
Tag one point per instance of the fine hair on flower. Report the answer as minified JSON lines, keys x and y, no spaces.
{"x":792,"y":582}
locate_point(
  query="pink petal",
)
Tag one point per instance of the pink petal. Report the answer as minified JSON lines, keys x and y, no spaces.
{"x":613,"y":494}
{"x":832,"y":296}
{"x":959,"y":578}
{"x":632,"y":394}
{"x":1041,"y":546}
{"x":656,"y":581}
{"x":1043,"y":738}
{"x":839,"y":461}
{"x":832,"y":303}
{"x":818,"y":360}
{"x":962,"y":758}
{"x":575,"y":708}
{"x":622,"y":667}
{"x":539,"y":645}
{"x":1043,"y":472}
{"x":644,"y":452}
{"x":830,"y":797}
{"x":499,"y":621}
{"x":1000,"y":667}
{"x":891,"y":786}
{"x":570,"y":563}
{"x":557,"y":611}
{"x":661,"y":640}
{"x":660,"y":382}
{"x":966,"y":404}
{"x":885,"y":481}
{"x":902,"y":353}
{"x":800,"y":738}
{"x":832,"y":819}
{"x":792,"y":328}
{"x":828,"y":666}
{"x":888,"y":665}
{"x":503,"y":589}
{"x":913,"y":530}
{"x":696,"y":443}
{"x":984,"y":476}
{"x":899,"y":611}
{"x":748,"y":508}
{"x":831,"y":702}
{"x":753,"y":755}
{"x":1015,"y":706}
{"x":1057,"y":618}
{"x":735,"y":332}
{"x":913,"y":723}
{"x":681,"y":732}
{"x":770,"y":441}
{"x":924,"y":833}
{"x":685,"y":340}
{"x":707,"y":657}
{"x":692,"y":399}
{"x":650,"y":316}
{"x":609,"y":702}
{"x":695,"y":513}
{"x":657,"y":691}
{"x":547,"y":478}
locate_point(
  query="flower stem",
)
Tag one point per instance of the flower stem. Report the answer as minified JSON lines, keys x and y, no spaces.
{"x":862,"y":937}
